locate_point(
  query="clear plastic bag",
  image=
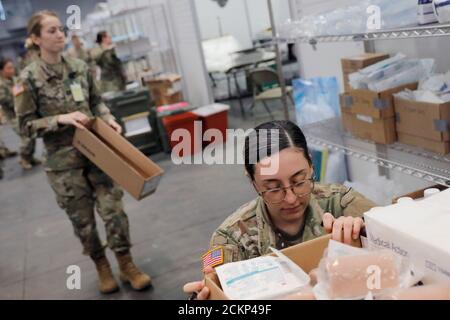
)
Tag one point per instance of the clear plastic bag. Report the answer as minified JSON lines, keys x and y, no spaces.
{"x":354,"y":273}
{"x":316,"y":99}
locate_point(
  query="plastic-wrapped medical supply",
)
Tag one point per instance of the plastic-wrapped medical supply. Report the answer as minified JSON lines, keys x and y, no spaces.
{"x":442,"y":10}
{"x":425,"y":12}
{"x":411,"y":71}
{"x":353,"y":19}
{"x":259,"y":278}
{"x":316,"y":99}
{"x":391,"y":73}
{"x":353,"y":273}
{"x":432,"y":89}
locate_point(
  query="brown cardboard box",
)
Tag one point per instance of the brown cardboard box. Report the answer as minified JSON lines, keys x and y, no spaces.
{"x":355,"y":63}
{"x":118,"y":158}
{"x":424,"y":124}
{"x":365,"y":127}
{"x":161,"y":100}
{"x":363,"y":60}
{"x":419,"y":193}
{"x":379,"y":105}
{"x":165,"y":89}
{"x":441,"y":147}
{"x":307,"y":255}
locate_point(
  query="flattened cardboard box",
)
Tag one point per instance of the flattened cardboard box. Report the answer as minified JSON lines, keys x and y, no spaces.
{"x":307,"y":255}
{"x":378,"y":105}
{"x":425,"y":120}
{"x":118,"y":158}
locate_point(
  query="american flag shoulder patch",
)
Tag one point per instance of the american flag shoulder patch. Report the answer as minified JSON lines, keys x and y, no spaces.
{"x":17,"y":90}
{"x":213,"y":257}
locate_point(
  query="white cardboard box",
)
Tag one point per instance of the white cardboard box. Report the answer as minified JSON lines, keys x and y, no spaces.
{"x":418,"y":230}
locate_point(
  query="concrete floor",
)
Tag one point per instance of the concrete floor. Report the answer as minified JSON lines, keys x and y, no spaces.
{"x":170,"y":229}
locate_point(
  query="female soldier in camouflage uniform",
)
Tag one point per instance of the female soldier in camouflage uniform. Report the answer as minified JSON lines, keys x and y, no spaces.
{"x":290,"y":208}
{"x":111,"y":69}
{"x":27,"y":147}
{"x":53,"y":96}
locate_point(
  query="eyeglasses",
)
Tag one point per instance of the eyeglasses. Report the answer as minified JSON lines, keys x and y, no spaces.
{"x":300,"y":189}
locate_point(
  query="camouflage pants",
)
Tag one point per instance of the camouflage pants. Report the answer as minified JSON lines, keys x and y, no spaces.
{"x":78,"y":191}
{"x":27,"y":145}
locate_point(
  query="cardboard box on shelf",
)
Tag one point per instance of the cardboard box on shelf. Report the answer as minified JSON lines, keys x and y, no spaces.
{"x":355,"y":63}
{"x":440,"y":147}
{"x":417,"y":230}
{"x":364,"y":127}
{"x":307,"y":255}
{"x":363,"y":60}
{"x":165,"y":89}
{"x":423,"y":124}
{"x":419,"y":193}
{"x":378,"y":105}
{"x":118,"y":158}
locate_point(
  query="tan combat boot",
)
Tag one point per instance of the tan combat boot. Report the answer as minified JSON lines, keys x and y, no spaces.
{"x":130,"y":273}
{"x":107,"y":283}
{"x":26,"y":165}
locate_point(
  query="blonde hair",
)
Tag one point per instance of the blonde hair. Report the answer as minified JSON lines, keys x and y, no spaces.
{"x":35,"y":26}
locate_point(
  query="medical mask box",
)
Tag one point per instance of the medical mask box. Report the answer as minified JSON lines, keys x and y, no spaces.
{"x":306,"y":255}
{"x":355,"y":63}
{"x":423,"y":124}
{"x":418,"y":230}
{"x":419,"y":194}
{"x":378,"y":105}
{"x":118,"y":158}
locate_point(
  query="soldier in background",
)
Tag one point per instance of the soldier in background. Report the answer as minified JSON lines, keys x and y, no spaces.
{"x":54,"y":96}
{"x":112,"y":76}
{"x":290,"y":208}
{"x":28,"y":145}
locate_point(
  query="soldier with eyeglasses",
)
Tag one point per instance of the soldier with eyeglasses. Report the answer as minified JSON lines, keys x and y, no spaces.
{"x":290,"y":208}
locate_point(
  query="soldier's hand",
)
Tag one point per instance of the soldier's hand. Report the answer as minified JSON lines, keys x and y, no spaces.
{"x":343,"y":229}
{"x":77,"y":119}
{"x":113,"y":124}
{"x":198,"y":287}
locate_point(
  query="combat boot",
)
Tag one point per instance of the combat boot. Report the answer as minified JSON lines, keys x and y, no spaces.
{"x":130,"y":273}
{"x":6,"y":153}
{"x":35,"y":161}
{"x":26,"y":165}
{"x":107,"y":283}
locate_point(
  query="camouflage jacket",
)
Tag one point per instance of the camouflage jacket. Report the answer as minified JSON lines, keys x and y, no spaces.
{"x":6,"y":97}
{"x":44,"y":95}
{"x":248,"y":232}
{"x":109,"y":63}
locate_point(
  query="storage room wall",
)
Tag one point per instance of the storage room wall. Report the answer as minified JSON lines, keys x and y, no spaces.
{"x":234,"y":21}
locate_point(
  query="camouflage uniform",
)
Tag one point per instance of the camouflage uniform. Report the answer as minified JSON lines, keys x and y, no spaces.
{"x":7,"y":102}
{"x":78,"y":184}
{"x":248,"y":232}
{"x":111,"y":78}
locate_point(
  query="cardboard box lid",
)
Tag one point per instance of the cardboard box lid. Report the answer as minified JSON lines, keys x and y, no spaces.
{"x":164,"y":79}
{"x":423,"y":119}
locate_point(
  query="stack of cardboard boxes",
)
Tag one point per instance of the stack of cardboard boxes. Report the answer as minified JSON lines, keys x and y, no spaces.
{"x":165,"y":89}
{"x":367,"y":114}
